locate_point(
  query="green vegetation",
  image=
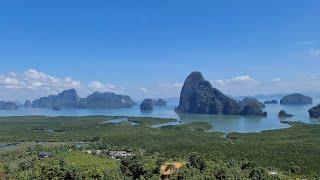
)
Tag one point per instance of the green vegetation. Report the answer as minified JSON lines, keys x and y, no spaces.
{"x":148,"y":121}
{"x":291,"y":153}
{"x":195,"y":126}
{"x":90,"y":165}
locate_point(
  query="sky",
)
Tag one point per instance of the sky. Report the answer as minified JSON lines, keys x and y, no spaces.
{"x":146,"y":48}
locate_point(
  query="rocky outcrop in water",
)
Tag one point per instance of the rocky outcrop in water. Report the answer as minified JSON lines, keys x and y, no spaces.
{"x":70,"y":99}
{"x":271,"y":102}
{"x":252,"y":101}
{"x":159,"y":102}
{"x":67,"y":98}
{"x":147,"y":105}
{"x":198,"y":96}
{"x":284,"y":114}
{"x":252,"y":110}
{"x":315,"y":112}
{"x":296,"y":99}
{"x":106,"y":100}
{"x":8,"y":105}
{"x":27,"y":104}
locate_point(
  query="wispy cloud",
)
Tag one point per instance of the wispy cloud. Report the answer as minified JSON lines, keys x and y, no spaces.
{"x":32,"y":84}
{"x":33,"y":79}
{"x":305,"y":43}
{"x":144,"y":90}
{"x":314,"y":52}
{"x":170,"y":85}
{"x":100,"y":87}
{"x":276,"y":80}
{"x":238,"y":80}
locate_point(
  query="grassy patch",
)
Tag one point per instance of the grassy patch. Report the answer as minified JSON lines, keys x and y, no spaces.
{"x":148,"y":121}
{"x":195,"y":126}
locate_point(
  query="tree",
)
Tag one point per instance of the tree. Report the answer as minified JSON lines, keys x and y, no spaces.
{"x":196,"y":161}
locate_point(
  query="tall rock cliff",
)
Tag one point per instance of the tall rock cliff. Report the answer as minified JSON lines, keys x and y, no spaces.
{"x":106,"y":100}
{"x":198,"y":96}
{"x":67,"y":98}
{"x":70,"y":99}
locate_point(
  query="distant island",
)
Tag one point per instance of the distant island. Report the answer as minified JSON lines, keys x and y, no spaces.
{"x":198,"y":96}
{"x":27,"y":104}
{"x":314,"y":112}
{"x":252,"y":101}
{"x":284,"y":114}
{"x":70,"y":99}
{"x":8,"y":105}
{"x":159,"y":102}
{"x":148,"y":104}
{"x":271,"y":102}
{"x":296,"y":99}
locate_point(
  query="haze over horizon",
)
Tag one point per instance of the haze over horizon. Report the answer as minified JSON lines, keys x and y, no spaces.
{"x":147,"y":49}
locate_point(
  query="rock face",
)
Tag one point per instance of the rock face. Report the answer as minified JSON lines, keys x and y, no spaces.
{"x":8,"y":106}
{"x":284,"y":114}
{"x":198,"y":96}
{"x":147,"y":105}
{"x":271,"y":102}
{"x":70,"y":99}
{"x":160,"y":102}
{"x":56,"y":108}
{"x":315,"y":112}
{"x":252,"y":110}
{"x":27,"y":104}
{"x":252,"y":101}
{"x":296,"y":99}
{"x":67,"y":98}
{"x":106,"y":100}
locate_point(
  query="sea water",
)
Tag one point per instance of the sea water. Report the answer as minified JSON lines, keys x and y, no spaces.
{"x":221,"y":123}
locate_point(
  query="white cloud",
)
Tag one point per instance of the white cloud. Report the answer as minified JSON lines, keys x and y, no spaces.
{"x":100,"y":87}
{"x":34,"y":82}
{"x":110,"y":86}
{"x":237,"y":85}
{"x":9,"y":81}
{"x":34,"y":79}
{"x":236,"y":81}
{"x":219,"y":82}
{"x":69,"y":82}
{"x":314,"y":52}
{"x":242,"y":80}
{"x":302,"y":83}
{"x":275,"y":80}
{"x":170,"y":85}
{"x":96,"y":86}
{"x":305,"y":43}
{"x":144,"y":90}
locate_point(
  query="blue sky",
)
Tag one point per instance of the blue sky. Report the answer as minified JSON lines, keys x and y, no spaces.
{"x":146,"y":48}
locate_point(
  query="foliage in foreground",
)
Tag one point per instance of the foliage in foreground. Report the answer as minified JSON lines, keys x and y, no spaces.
{"x":294,"y":151}
{"x":74,"y":164}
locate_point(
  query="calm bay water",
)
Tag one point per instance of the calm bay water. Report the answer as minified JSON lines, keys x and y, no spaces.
{"x":220,"y":123}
